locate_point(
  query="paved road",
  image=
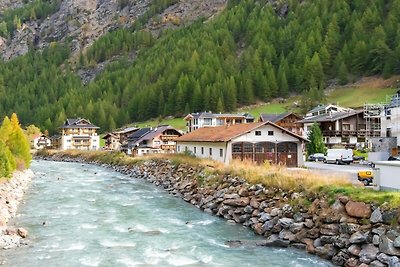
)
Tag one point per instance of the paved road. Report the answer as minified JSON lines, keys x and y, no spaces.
{"x":351,"y":169}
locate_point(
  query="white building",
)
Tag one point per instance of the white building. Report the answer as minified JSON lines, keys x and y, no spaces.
{"x":79,"y":134}
{"x":390,"y":119}
{"x":260,"y":142}
{"x":40,"y":141}
{"x":208,"y":119}
{"x":326,"y":109}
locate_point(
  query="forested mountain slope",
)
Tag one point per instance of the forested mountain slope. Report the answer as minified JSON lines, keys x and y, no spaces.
{"x":251,"y":50}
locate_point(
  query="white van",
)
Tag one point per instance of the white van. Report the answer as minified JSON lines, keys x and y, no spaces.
{"x":339,"y":156}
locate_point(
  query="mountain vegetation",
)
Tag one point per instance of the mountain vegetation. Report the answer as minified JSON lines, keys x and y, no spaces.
{"x":14,"y":147}
{"x":248,"y":52}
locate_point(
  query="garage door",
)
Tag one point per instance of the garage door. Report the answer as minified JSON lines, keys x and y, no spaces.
{"x":287,"y":153}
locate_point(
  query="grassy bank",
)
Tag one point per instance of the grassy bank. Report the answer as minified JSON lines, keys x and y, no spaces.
{"x":272,"y":176}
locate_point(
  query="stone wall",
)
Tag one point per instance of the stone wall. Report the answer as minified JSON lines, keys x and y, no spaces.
{"x":346,"y":232}
{"x":11,"y":193}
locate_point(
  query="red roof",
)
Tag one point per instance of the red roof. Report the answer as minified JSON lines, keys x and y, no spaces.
{"x":227,"y":133}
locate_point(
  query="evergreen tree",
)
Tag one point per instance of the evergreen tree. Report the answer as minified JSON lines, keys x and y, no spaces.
{"x":316,"y":142}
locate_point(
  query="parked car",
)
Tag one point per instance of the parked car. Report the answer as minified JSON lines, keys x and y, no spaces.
{"x":339,"y":156}
{"x":316,"y":157}
{"x":366,"y":177}
{"x":394,"y":158}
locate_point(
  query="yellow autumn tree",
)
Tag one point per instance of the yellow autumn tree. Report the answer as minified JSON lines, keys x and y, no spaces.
{"x":19,"y":144}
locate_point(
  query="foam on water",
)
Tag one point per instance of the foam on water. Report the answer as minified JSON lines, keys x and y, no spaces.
{"x":177,"y":260}
{"x":114,"y":244}
{"x":88,"y":226}
{"x":90,"y":261}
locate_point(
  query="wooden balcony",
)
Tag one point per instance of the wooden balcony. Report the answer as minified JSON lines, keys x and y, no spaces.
{"x":169,"y":137}
{"x":359,"y":133}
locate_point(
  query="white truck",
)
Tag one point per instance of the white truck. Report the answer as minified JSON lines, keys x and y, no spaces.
{"x":339,"y":156}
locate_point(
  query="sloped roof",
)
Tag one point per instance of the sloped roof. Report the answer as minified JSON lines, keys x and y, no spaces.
{"x":127,"y":130}
{"x":227,"y":133}
{"x":138,"y":134}
{"x":331,"y":117}
{"x":109,"y":134}
{"x":78,"y":123}
{"x":276,"y":117}
{"x":217,"y":115}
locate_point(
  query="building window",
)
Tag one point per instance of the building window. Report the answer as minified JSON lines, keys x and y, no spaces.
{"x":179,"y":148}
{"x":258,"y":133}
{"x":202,"y":150}
{"x":210,"y":151}
{"x":221,"y":152}
{"x":186,"y":149}
{"x":270,"y":133}
{"x":207,"y":121}
{"x":195,"y":150}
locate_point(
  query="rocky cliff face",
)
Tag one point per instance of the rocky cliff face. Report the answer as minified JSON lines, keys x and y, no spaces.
{"x":84,"y":21}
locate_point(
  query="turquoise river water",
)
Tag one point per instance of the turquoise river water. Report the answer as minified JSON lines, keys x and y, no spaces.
{"x":85,"y":215}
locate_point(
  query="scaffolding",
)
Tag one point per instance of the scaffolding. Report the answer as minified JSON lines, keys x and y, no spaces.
{"x":372,"y":115}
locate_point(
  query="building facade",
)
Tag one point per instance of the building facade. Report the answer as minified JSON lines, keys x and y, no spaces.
{"x":390,"y":118}
{"x":348,"y":129}
{"x":198,"y":120}
{"x":160,"y":139}
{"x":258,"y":142}
{"x":287,"y":120}
{"x":40,"y":141}
{"x":79,"y":134}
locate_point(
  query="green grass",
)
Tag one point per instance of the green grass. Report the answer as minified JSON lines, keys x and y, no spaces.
{"x":356,"y":97}
{"x":178,"y":123}
{"x":272,"y":108}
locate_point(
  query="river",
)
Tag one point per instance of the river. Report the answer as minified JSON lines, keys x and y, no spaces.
{"x":85,"y":215}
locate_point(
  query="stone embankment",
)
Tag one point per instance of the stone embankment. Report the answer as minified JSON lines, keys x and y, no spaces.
{"x":11,"y":193}
{"x":346,"y":232}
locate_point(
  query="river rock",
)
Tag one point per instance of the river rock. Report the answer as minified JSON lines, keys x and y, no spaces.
{"x":348,"y":228}
{"x":276,"y":212}
{"x":240,"y":202}
{"x":386,"y":246}
{"x":326,"y":252}
{"x":354,"y":250}
{"x":264,"y":217}
{"x":392,"y":234}
{"x":340,"y":258}
{"x":329,"y":229}
{"x":296,"y":227}
{"x":394,"y":262}
{"x":376,"y":216}
{"x":22,"y":232}
{"x":375,"y":240}
{"x":376,"y":263}
{"x":358,"y":209}
{"x":309,"y":223}
{"x":381,"y":230}
{"x":368,"y":253}
{"x":274,"y":241}
{"x":285,"y":222}
{"x":351,"y":262}
{"x":358,"y":237}
{"x":389,"y":217}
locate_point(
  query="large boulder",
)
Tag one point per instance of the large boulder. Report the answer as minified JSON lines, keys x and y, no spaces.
{"x":368,"y":253}
{"x":386,"y":246}
{"x":376,"y":216}
{"x":237,"y":202}
{"x":358,"y":209}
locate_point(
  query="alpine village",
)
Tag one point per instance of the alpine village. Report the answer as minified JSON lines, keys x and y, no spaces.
{"x":200,"y":133}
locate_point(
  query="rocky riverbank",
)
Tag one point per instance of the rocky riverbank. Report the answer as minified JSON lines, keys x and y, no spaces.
{"x":346,"y":232}
{"x":11,"y":193}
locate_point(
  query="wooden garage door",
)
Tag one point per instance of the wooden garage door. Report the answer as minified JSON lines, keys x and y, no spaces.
{"x":287,"y":154}
{"x":264,"y":151}
{"x":243,"y":151}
